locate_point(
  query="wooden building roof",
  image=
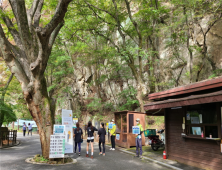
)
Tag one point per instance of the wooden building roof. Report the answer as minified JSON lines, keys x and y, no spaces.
{"x":194,"y":87}
{"x":191,"y":94}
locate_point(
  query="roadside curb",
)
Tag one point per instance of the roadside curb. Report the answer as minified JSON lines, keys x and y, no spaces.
{"x":30,"y":160}
{"x":155,"y":161}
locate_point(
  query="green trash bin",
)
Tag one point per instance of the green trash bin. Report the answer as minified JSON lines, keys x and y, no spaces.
{"x":149,"y":132}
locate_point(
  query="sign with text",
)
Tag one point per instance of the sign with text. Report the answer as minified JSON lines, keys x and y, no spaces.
{"x":136,"y":130}
{"x":57,"y":146}
{"x":59,"y":130}
{"x":68,"y":122}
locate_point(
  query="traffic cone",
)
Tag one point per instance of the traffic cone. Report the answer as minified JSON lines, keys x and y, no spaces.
{"x":164,"y":154}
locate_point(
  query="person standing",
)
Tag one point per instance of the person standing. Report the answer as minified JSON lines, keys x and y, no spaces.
{"x":24,"y":128}
{"x":113,"y":135}
{"x":90,"y":138}
{"x":102,"y":134}
{"x":78,"y":134}
{"x":139,"y":139}
{"x":30,"y":129}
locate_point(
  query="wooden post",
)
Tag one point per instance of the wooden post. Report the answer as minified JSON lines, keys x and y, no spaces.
{"x":165,"y":123}
{"x":18,"y":124}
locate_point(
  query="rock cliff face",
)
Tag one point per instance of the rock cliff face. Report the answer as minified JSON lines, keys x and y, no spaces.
{"x":85,"y":90}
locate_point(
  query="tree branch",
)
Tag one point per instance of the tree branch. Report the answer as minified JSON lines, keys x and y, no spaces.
{"x":38,"y":13}
{"x":6,"y":87}
{"x":31,"y":13}
{"x":57,"y":18}
{"x":19,"y":11}
{"x":54,"y":34}
{"x":11,"y":61}
{"x":100,"y":9}
{"x":12,"y":29}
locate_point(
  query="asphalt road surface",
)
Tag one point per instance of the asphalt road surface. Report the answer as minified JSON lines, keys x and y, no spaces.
{"x":14,"y":158}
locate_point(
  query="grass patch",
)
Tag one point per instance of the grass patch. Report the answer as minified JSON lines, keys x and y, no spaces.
{"x":41,"y":159}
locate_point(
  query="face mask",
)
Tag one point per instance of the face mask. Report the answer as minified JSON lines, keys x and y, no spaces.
{"x":137,"y":123}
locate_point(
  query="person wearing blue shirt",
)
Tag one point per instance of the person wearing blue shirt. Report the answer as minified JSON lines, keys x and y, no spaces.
{"x":24,"y":128}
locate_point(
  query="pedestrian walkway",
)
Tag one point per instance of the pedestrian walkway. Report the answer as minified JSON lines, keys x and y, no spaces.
{"x":14,"y":158}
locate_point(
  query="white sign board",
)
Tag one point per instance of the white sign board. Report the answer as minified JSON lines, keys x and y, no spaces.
{"x":136,"y":130}
{"x":57,"y":146}
{"x":59,"y":129}
{"x":67,"y":121}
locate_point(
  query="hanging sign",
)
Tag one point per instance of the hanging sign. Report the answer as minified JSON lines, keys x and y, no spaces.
{"x":117,"y":137}
{"x":188,"y":116}
{"x":59,"y":129}
{"x":136,"y":130}
{"x":75,"y":120}
{"x":68,"y":122}
{"x":57,"y":146}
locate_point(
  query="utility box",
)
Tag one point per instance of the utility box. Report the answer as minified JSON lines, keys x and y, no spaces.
{"x":124,"y":121}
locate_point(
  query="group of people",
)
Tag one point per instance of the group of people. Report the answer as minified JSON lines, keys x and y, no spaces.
{"x":78,"y":137}
{"x":24,"y":127}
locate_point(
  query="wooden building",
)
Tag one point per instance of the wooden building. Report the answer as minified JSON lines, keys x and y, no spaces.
{"x":124,"y":121}
{"x":199,"y":107}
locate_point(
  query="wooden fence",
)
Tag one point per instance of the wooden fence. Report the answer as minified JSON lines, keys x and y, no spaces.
{"x":8,"y":138}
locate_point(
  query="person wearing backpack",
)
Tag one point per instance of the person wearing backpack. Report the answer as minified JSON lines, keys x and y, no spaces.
{"x":113,"y":135}
{"x":77,"y":135}
{"x":90,"y":138}
{"x":101,"y":135}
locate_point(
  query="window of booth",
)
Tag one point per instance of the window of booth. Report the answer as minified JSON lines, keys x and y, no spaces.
{"x":202,"y":119}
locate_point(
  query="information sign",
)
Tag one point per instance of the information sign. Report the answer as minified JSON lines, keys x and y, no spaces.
{"x":136,"y":130}
{"x":195,"y":120}
{"x":57,"y":146}
{"x":110,"y":125}
{"x":117,"y":137}
{"x":68,"y":122}
{"x":59,"y":129}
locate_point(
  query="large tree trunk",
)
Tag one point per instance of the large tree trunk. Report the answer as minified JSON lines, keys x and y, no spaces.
{"x":42,"y":113}
{"x":28,"y":58}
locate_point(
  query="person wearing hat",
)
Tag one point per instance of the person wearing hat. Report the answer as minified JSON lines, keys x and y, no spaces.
{"x":113,"y":135}
{"x":139,"y":139}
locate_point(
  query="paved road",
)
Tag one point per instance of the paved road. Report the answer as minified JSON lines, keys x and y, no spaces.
{"x":14,"y":159}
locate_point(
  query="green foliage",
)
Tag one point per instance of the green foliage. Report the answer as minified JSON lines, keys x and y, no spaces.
{"x":130,"y":101}
{"x":216,"y":73}
{"x":95,"y":104}
{"x":58,"y":119}
{"x":7,"y":114}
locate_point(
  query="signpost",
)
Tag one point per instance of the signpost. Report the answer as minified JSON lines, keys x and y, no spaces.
{"x":136,"y":130}
{"x":68,"y":122}
{"x":57,"y":146}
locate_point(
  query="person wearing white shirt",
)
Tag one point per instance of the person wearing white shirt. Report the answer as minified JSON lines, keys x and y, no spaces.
{"x":30,"y":129}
